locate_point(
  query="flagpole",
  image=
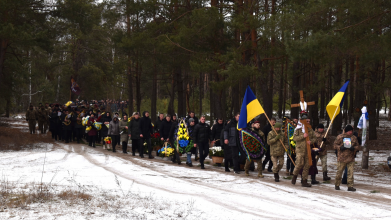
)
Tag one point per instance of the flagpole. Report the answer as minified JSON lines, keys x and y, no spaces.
{"x":280,"y":140}
{"x":329,"y":126}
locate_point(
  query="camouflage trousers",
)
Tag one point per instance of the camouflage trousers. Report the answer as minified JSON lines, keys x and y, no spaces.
{"x":341,"y":166}
{"x":277,"y":160}
{"x":323,"y":160}
{"x":32,"y":124}
{"x":259,"y":166}
{"x":302,"y":162}
{"x":42,"y":126}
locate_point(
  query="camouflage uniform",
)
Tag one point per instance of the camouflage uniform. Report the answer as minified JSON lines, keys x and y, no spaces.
{"x":345,"y":158}
{"x":277,"y":150}
{"x":31,"y":117}
{"x":258,"y":161}
{"x":323,"y":153}
{"x":302,"y":160}
{"x":42,"y":119}
{"x":46,"y":125}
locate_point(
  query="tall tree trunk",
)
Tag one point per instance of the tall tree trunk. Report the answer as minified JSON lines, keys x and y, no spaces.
{"x":346,"y":102}
{"x":315,"y":97}
{"x":129,"y":63}
{"x":295,"y":89}
{"x":154,"y":91}
{"x":373,"y":99}
{"x":181,"y":98}
{"x":200,"y":95}
{"x":138,"y":87}
{"x":171,"y":109}
{"x":351,"y":89}
{"x":337,"y":123}
{"x":280,"y":92}
{"x":322,"y":96}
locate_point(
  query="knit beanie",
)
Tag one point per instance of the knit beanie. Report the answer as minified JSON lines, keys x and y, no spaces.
{"x":348,"y":128}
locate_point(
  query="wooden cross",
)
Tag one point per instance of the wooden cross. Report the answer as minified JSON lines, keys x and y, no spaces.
{"x":305,"y":124}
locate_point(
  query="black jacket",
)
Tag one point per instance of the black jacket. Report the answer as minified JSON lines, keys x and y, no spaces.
{"x":202,"y":133}
{"x":145,"y":126}
{"x":134,"y":129}
{"x":165,"y":128}
{"x":104,"y":119}
{"x":216,"y":131}
{"x":231,"y":133}
{"x":158,"y":123}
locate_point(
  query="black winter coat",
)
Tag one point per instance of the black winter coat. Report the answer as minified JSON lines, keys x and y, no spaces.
{"x":104,"y":119}
{"x":216,"y":131}
{"x":165,"y":128}
{"x":134,"y":129}
{"x":202,"y":133}
{"x":231,"y":133}
{"x":145,"y":126}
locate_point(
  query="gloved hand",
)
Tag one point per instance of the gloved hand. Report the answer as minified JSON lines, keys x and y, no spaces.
{"x":27,"y":119}
{"x":278,"y":137}
{"x":316,"y":152}
{"x":352,"y":148}
{"x":324,"y":139}
{"x":342,"y":148}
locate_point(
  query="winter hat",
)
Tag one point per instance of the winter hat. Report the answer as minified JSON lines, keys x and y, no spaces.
{"x":320,"y":126}
{"x":348,"y":128}
{"x":191,"y":120}
{"x":278,"y":125}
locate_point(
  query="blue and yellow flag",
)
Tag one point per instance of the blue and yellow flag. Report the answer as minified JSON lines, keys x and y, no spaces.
{"x":250,"y":108}
{"x":335,"y":105}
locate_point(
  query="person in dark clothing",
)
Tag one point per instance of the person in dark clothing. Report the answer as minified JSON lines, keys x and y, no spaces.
{"x":192,"y":115}
{"x":202,"y":136}
{"x":268,"y":158}
{"x":146,"y":130}
{"x":227,"y":152}
{"x":190,"y":129}
{"x":76,"y":119}
{"x":216,"y":132}
{"x":92,"y":133}
{"x":105,"y":119}
{"x":231,"y":138}
{"x":174,"y":128}
{"x":165,"y":128}
{"x":55,"y":123}
{"x":66,"y":126}
{"x":134,"y":132}
{"x":159,"y":121}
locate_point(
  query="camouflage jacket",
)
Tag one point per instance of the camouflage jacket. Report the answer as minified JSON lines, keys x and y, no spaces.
{"x":347,"y":155}
{"x":301,"y":145}
{"x":43,"y":114}
{"x":276,"y":148}
{"x":31,"y":115}
{"x":319,"y":137}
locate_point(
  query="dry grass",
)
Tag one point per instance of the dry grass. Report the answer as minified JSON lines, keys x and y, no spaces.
{"x":15,"y":140}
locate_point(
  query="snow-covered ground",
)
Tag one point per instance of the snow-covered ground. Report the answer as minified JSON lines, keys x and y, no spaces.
{"x":127,"y":187}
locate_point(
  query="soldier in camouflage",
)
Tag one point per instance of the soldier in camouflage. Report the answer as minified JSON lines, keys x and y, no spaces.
{"x":302,"y":160}
{"x":31,"y":117}
{"x":256,"y":129}
{"x":277,"y":150}
{"x":42,"y":118}
{"x":319,"y":133}
{"x":347,"y":146}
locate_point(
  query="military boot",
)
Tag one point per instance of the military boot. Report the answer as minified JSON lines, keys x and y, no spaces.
{"x":351,"y":189}
{"x":276,"y":177}
{"x":325,"y":177}
{"x":304,"y":183}
{"x":337,"y":188}
{"x":246,"y":172}
{"x":313,"y":179}
{"x":294,"y":178}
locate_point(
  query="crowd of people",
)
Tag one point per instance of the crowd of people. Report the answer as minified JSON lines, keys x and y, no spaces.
{"x":66,"y":124}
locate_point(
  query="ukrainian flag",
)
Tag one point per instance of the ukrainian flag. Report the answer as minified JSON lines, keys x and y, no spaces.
{"x":250,"y":108}
{"x":335,"y":105}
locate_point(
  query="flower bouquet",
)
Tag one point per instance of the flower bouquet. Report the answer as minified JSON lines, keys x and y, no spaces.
{"x":183,"y":142}
{"x":155,"y":139}
{"x":217,"y":154}
{"x":108,"y":141}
